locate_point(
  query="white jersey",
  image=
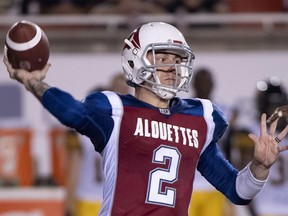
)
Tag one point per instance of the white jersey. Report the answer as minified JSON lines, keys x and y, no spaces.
{"x":90,"y":182}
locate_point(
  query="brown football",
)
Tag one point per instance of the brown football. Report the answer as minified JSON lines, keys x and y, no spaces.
{"x":27,"y":46}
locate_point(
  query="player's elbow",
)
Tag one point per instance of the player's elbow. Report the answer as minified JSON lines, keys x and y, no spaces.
{"x":73,"y":119}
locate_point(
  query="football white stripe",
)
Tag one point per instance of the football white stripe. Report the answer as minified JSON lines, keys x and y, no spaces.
{"x":27,"y":45}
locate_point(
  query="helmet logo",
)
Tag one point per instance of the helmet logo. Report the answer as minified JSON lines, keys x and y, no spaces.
{"x":134,"y":38}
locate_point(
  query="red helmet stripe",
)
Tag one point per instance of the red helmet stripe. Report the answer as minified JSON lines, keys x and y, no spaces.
{"x":177,"y":41}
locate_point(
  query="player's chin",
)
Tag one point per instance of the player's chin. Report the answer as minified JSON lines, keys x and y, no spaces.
{"x":169,"y":82}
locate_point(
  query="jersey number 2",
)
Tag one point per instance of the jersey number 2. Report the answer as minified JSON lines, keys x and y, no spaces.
{"x":156,"y":194}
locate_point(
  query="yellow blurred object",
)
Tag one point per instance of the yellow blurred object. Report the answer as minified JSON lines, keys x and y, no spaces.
{"x":241,"y":140}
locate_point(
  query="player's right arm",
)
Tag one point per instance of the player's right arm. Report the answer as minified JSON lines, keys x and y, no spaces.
{"x":92,"y":118}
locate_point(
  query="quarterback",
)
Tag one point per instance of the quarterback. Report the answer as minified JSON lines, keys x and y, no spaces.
{"x":153,"y":142}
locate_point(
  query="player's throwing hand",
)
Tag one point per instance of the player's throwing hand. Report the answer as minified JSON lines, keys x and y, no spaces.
{"x":24,"y":76}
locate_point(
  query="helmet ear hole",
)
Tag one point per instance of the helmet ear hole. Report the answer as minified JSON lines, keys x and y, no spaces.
{"x":131,"y":83}
{"x":131,"y":63}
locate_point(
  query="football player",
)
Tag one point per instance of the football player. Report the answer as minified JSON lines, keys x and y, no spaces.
{"x":153,"y":142}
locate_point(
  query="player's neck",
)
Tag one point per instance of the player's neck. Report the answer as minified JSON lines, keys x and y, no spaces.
{"x":150,"y":97}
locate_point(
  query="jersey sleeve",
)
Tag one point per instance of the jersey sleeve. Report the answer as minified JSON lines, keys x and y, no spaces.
{"x":221,"y":123}
{"x":220,"y":173}
{"x":216,"y":122}
{"x":212,"y":163}
{"x":91,"y":117}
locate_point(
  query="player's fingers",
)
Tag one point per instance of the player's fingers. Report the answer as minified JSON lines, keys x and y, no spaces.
{"x":42,"y":74}
{"x":253,"y":137}
{"x":9,"y":67}
{"x":5,"y":59}
{"x":11,"y":71}
{"x":282,"y":148}
{"x":7,"y":64}
{"x":273,"y":127}
{"x":263,"y":127}
{"x":46,"y":68}
{"x":282,"y":134}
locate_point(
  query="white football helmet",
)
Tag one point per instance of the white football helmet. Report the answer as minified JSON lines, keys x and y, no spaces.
{"x":157,"y":37}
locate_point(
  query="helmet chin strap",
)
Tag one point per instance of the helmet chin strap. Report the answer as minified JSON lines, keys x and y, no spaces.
{"x":163,"y":93}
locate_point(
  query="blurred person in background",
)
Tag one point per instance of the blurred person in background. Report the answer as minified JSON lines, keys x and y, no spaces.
{"x":118,"y":84}
{"x":6,"y":6}
{"x":202,"y":86}
{"x":85,"y":178}
{"x":270,"y":94}
{"x":84,"y":184}
{"x":66,"y":6}
{"x":212,"y":6}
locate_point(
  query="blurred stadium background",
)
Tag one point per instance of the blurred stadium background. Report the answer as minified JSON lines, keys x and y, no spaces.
{"x":246,"y":42}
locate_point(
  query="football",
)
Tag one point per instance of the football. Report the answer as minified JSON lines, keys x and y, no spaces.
{"x":27,"y":46}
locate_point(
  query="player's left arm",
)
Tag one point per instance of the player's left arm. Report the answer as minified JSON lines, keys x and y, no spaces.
{"x":241,"y":187}
{"x":215,"y":168}
{"x":213,"y":165}
{"x":220,"y":173}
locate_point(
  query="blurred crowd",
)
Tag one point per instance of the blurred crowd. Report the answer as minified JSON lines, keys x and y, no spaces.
{"x":24,"y":7}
